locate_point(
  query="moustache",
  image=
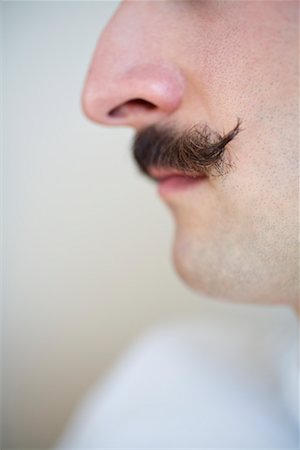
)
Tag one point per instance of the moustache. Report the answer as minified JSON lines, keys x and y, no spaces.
{"x":199,"y":150}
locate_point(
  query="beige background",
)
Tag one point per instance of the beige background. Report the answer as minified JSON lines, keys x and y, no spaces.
{"x":86,"y":240}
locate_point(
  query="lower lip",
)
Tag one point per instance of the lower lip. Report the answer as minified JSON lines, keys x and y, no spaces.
{"x":178,"y":183}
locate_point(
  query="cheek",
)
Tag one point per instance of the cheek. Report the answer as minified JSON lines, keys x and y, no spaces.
{"x":246,"y":65}
{"x":243,"y":231}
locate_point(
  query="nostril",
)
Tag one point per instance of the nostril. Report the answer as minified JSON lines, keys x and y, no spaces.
{"x":136,"y":105}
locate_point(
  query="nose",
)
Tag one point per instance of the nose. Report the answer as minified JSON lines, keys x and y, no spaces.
{"x":129,"y":82}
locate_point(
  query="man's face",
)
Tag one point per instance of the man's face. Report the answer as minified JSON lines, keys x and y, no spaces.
{"x":181,"y":64}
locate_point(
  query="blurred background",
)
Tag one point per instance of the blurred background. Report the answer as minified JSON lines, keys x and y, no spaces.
{"x":87,"y":242}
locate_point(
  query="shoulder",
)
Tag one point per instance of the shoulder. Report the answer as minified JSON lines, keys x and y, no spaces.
{"x":181,"y":382}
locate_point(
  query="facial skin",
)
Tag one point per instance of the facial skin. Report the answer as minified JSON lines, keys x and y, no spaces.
{"x":213,"y":62}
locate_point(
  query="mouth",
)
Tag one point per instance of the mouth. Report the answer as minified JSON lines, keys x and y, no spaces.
{"x":171,"y":181}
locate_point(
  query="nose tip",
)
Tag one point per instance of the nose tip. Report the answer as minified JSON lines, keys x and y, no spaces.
{"x":137,"y":96}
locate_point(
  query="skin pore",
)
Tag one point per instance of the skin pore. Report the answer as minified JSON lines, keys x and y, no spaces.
{"x":178,"y":63}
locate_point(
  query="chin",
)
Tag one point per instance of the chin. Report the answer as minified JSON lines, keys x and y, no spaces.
{"x":207,"y":284}
{"x":202,"y":269}
{"x":192,"y":272}
{"x":199,"y":283}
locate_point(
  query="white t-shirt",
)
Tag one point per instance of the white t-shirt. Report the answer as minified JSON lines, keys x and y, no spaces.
{"x":212,"y":382}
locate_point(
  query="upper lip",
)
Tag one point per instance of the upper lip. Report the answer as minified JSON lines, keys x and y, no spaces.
{"x":160,"y":174}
